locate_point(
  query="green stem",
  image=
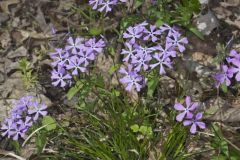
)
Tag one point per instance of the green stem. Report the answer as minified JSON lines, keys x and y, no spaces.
{"x":84,"y":14}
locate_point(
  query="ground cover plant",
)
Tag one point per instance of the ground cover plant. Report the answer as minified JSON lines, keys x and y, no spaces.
{"x":119,"y":80}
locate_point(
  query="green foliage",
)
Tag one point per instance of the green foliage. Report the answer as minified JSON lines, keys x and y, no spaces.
{"x":29,"y":78}
{"x":176,"y":12}
{"x":153,"y":81}
{"x":144,"y":130}
{"x":49,"y":122}
{"x":75,"y":89}
{"x":221,"y":144}
{"x":95,"y":31}
{"x":41,"y":140}
{"x":224,"y":87}
{"x":173,"y":147}
{"x":134,"y":128}
{"x":16,"y":146}
{"x":83,"y":87}
{"x":110,"y":137}
{"x":185,"y":10}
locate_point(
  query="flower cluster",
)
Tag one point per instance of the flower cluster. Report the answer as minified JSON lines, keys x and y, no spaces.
{"x":73,"y":59}
{"x":104,"y":5}
{"x":148,"y":47}
{"x":25,"y":112}
{"x":188,"y":116}
{"x":231,"y":68}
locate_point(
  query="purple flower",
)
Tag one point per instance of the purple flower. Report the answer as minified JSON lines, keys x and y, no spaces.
{"x":106,"y":5}
{"x":56,"y":53}
{"x":167,"y":51}
{"x":85,"y":57}
{"x":39,"y":109}
{"x":186,"y":110}
{"x":171,"y":30}
{"x":130,"y":52}
{"x":28,"y":122}
{"x":195,"y":122}
{"x":145,"y":50}
{"x":235,"y":69}
{"x":161,"y":60}
{"x":152,"y":33}
{"x":133,"y":33}
{"x":17,"y":112}
{"x":75,"y":64}
{"x":94,"y":46}
{"x":21,"y":119}
{"x":141,"y":26}
{"x":95,"y":3}
{"x":60,"y":57}
{"x":74,"y":45}
{"x":177,"y":42}
{"x":19,"y":130}
{"x":224,"y":76}
{"x":234,"y":57}
{"x":60,"y":76}
{"x":141,"y":60}
{"x":7,"y":128}
{"x":25,"y":100}
{"x":131,"y":78}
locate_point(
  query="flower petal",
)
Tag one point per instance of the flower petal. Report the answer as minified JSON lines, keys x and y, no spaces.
{"x":180,"y":117}
{"x":193,"y":106}
{"x":193,"y":128}
{"x":188,"y":101}
{"x":179,"y":107}
{"x":187,"y":122}
{"x":201,"y":125}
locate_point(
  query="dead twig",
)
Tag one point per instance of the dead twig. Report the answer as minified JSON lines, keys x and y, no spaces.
{"x":11,"y":154}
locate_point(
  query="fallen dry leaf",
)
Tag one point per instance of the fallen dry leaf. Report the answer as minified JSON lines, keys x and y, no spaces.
{"x":5,"y":4}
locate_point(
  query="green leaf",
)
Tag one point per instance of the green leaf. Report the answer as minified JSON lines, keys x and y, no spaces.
{"x":50,"y":122}
{"x":159,"y":22}
{"x":112,"y":51}
{"x":138,"y":3}
{"x":116,"y":93}
{"x":134,"y":128}
{"x":95,"y":31}
{"x":74,"y":90}
{"x":219,"y":157}
{"x":143,"y":130}
{"x":196,"y":32}
{"x":152,"y":84}
{"x":224,"y":87}
{"x":16,"y":146}
{"x":224,"y":147}
{"x":113,"y":69}
{"x":41,"y":140}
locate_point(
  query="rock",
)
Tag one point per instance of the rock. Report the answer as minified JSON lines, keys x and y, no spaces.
{"x":166,"y":86}
{"x":206,"y":23}
{"x":3,"y":18}
{"x":228,"y":11}
{"x":200,"y":63}
{"x":203,"y":1}
{"x":5,"y":41}
{"x":19,"y":52}
{"x":10,"y":66}
{"x":16,"y":22}
{"x":1,"y":77}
